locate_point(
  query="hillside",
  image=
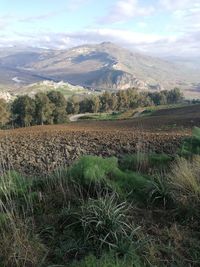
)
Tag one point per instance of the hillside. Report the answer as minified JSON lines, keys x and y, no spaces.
{"x":45,"y":86}
{"x":102,"y":66}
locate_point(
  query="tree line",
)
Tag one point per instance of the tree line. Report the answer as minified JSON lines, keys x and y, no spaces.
{"x":128,"y":99}
{"x":53,"y":108}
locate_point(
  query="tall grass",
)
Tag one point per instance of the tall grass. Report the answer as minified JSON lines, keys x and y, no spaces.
{"x":19,"y":245}
{"x":184,"y":180}
{"x":101,"y":212}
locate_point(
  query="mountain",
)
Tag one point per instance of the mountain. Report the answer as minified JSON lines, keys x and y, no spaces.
{"x":188,"y":62}
{"x":104,"y":66}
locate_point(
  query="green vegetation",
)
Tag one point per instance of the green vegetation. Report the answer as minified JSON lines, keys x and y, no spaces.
{"x":43,"y":109}
{"x":129,"y":99}
{"x":141,"y":210}
{"x":192,"y":145}
{"x":53,"y":108}
{"x":4,"y":113}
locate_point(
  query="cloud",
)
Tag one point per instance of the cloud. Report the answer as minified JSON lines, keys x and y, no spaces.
{"x":124,"y":10}
{"x":186,"y":20}
{"x":154,"y":44}
{"x":183,"y":26}
{"x":174,"y":4}
{"x":76,"y":4}
{"x":5,"y":21}
{"x":39,"y":17}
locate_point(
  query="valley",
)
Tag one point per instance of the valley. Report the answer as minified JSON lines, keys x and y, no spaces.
{"x":104,"y":66}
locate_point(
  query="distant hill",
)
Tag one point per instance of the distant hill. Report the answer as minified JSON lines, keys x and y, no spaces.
{"x":105,"y":66}
{"x":45,"y":86}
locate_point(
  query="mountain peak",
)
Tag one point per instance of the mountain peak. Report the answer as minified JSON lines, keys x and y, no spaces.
{"x":101,"y":66}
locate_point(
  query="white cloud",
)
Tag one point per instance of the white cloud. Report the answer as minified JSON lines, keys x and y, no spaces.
{"x":124,"y":10}
{"x":76,"y":4}
{"x":174,"y":4}
{"x":184,"y":29}
{"x":186,"y":44}
{"x":5,"y":21}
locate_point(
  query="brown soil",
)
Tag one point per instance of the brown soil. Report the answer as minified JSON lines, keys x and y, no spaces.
{"x":40,"y":149}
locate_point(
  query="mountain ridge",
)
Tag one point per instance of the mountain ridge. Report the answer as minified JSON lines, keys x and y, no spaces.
{"x":104,"y":66}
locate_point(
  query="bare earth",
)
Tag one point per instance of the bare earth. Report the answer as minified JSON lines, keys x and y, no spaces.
{"x":39,"y":149}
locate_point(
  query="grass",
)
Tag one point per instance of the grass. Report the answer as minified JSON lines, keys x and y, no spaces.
{"x":129,"y":114}
{"x":141,"y":210}
{"x":102,"y":116}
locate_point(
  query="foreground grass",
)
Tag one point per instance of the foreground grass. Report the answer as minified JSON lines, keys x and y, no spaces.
{"x":141,"y":210}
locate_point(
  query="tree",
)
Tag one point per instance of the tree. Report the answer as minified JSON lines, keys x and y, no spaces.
{"x":123,"y":100}
{"x":105,"y":100}
{"x":174,"y":96}
{"x":23,"y":109}
{"x":4,"y":112}
{"x":85,"y":105}
{"x":59,"y":103}
{"x":44,"y":109}
{"x":114,"y":101}
{"x":133,"y":97}
{"x":73,"y":105}
{"x":95,"y":104}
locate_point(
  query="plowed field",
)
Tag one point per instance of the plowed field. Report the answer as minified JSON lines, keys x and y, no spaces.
{"x":40,"y":149}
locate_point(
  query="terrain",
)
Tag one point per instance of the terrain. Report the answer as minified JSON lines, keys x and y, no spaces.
{"x":45,"y":86}
{"x":117,"y":193}
{"x":105,"y":66}
{"x":42,"y":148}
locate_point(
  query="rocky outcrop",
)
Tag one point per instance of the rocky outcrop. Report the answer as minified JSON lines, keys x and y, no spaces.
{"x":6,"y":96}
{"x":117,"y":79}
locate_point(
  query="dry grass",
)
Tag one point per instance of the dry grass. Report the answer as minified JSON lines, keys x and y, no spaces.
{"x":185,"y":181}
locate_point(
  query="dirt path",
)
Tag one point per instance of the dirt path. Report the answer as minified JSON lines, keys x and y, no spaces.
{"x":76,"y":117}
{"x":138,"y":113}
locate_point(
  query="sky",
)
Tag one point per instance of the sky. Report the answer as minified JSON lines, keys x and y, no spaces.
{"x":158,"y":27}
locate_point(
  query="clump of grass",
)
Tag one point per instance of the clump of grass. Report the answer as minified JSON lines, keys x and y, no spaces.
{"x":159,"y":193}
{"x":103,"y":224}
{"x":145,"y":162}
{"x":19,"y":245}
{"x":184,"y":180}
{"x":93,"y":169}
{"x":96,"y":174}
{"x":191,"y":145}
{"x":13,"y":183}
{"x":108,"y":260}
